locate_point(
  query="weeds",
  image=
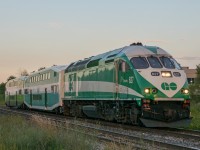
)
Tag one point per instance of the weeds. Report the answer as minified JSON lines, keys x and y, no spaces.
{"x":2,"y":99}
{"x":17,"y":133}
{"x":195,"y":112}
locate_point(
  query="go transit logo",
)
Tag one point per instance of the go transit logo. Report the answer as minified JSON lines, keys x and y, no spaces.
{"x":172,"y":86}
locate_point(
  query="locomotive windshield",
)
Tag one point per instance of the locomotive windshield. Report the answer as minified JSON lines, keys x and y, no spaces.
{"x":175,"y":64}
{"x":167,"y":62}
{"x":154,"y":62}
{"x":139,"y":62}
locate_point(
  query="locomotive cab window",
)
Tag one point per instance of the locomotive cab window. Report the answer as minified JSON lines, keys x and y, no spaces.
{"x":139,"y":62}
{"x":167,"y":62}
{"x":154,"y":62}
{"x":123,"y":66}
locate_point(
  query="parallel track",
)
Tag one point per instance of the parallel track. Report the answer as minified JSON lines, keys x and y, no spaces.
{"x":137,"y":137}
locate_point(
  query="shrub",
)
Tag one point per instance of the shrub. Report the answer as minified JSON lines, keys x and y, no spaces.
{"x":195,"y":112}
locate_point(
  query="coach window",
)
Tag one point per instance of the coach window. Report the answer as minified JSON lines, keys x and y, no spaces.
{"x":20,"y":92}
{"x":49,"y":75}
{"x":43,"y":76}
{"x":55,"y":74}
{"x":26,"y":91}
{"x":52,"y":89}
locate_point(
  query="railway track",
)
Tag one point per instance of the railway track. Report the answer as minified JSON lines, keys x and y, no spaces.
{"x":136,"y":137}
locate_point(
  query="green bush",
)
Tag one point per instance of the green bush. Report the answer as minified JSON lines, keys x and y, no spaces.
{"x":195,"y":112}
{"x":2,"y":99}
{"x":16,"y":134}
{"x":195,"y":93}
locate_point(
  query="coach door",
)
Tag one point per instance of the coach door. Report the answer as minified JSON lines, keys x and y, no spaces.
{"x":45,"y":97}
{"x":72,"y":84}
{"x":123,"y":79}
{"x":31,"y":97}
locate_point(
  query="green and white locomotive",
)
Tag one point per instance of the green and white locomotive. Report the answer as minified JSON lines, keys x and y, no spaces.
{"x":135,"y":84}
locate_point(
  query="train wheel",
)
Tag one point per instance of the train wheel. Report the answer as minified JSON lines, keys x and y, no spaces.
{"x":66,"y":111}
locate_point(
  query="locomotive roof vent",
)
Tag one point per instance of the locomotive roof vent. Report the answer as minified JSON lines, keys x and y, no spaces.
{"x":138,"y":43}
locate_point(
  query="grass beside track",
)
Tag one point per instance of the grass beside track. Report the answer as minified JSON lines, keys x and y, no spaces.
{"x":2,"y":101}
{"x":17,"y":133}
{"x":195,"y":112}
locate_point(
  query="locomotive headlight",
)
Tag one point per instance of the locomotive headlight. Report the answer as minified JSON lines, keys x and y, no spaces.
{"x":185,"y":91}
{"x":166,"y":74}
{"x":147,"y":90}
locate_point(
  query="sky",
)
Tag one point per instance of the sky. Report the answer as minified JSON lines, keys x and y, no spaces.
{"x":42,"y":33}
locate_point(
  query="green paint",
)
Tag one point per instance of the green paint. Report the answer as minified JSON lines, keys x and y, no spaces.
{"x":52,"y":99}
{"x":165,"y":86}
{"x":152,"y":49}
{"x":172,"y":86}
